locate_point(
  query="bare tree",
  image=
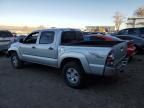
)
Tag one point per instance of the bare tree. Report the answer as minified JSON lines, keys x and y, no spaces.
{"x":139,"y":12}
{"x":118,"y":20}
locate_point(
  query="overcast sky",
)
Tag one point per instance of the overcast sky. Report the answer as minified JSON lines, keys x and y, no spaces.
{"x":64,"y":13}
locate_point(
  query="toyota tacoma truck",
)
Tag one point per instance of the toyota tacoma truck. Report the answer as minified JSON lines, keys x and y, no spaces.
{"x":66,"y":50}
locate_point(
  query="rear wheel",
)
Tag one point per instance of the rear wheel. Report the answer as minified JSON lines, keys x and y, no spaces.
{"x":15,"y":61}
{"x":73,"y":74}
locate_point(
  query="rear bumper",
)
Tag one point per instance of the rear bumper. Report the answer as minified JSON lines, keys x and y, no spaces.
{"x":120,"y":67}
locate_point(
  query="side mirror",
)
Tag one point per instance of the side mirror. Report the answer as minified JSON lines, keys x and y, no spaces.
{"x":21,"y":40}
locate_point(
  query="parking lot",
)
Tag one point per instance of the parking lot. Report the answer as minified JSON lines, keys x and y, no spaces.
{"x":37,"y":86}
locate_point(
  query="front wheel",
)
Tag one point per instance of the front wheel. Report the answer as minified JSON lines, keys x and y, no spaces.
{"x":15,"y":61}
{"x":73,"y":74}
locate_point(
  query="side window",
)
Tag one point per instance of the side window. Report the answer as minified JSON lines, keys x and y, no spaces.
{"x":133,"y":31}
{"x":123,"y":32}
{"x":32,"y":38}
{"x":119,"y":33}
{"x":47,"y":37}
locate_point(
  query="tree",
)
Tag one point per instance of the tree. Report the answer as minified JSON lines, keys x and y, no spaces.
{"x":118,"y":20}
{"x":139,"y":12}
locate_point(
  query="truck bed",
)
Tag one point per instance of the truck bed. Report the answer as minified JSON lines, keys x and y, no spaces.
{"x":93,"y":43}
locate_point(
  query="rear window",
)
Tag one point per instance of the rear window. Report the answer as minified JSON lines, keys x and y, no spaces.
{"x":71,"y":37}
{"x":5,"y":34}
{"x":123,"y":32}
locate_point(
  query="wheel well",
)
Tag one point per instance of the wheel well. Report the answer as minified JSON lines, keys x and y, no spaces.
{"x":66,"y":60}
{"x":10,"y":52}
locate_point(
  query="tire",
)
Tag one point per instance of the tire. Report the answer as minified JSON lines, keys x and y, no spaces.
{"x":73,"y":74}
{"x":15,"y":61}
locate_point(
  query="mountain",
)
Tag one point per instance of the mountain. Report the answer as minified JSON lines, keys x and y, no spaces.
{"x":20,"y":29}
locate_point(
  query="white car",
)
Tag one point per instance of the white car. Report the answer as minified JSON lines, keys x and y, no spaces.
{"x":6,"y":38}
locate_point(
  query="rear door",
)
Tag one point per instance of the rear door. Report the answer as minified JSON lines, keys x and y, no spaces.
{"x":46,"y":50}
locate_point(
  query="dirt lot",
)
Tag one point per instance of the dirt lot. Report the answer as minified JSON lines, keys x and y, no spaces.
{"x":37,"y":86}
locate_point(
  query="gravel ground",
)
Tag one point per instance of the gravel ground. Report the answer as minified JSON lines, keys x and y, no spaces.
{"x":37,"y":86}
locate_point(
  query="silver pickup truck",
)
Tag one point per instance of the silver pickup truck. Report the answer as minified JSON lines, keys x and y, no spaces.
{"x":66,"y":50}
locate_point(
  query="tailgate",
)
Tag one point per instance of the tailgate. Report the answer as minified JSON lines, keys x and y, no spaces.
{"x":120,"y":51}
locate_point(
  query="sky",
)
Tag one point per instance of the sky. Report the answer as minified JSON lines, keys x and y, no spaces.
{"x":64,"y":13}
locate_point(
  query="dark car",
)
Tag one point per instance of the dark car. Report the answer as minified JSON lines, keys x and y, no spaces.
{"x":139,"y":32}
{"x":138,"y":41}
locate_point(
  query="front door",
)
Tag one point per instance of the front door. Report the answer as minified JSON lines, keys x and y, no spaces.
{"x":28,"y":47}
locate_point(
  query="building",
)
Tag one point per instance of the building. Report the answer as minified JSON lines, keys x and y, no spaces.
{"x":135,"y":22}
{"x":100,"y":28}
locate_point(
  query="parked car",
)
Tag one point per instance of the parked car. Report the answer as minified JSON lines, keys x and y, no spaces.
{"x":139,"y":32}
{"x":66,"y":50}
{"x":6,"y":38}
{"x":131,"y":49}
{"x":138,"y":41}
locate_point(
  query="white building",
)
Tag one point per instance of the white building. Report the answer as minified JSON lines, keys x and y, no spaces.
{"x":135,"y":22}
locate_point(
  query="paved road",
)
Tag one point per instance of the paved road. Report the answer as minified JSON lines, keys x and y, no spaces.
{"x":37,"y":86}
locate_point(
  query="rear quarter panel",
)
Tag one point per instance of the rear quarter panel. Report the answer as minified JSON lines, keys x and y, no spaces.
{"x":92,"y":58}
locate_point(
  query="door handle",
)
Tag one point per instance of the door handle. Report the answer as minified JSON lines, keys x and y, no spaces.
{"x":33,"y":47}
{"x":50,"y":48}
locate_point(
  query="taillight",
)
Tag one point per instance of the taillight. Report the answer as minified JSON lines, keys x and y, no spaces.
{"x":110,"y":59}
